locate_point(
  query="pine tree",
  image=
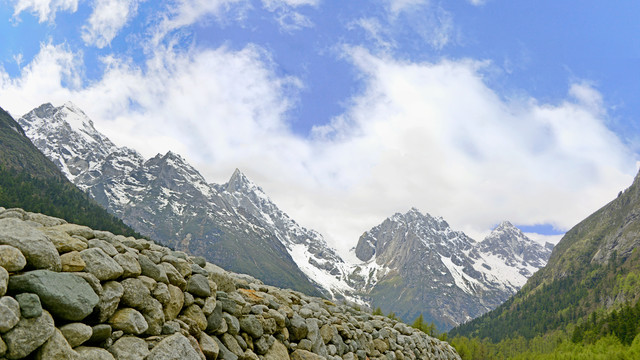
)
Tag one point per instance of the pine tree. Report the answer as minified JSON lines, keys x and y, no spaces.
{"x":419,"y":323}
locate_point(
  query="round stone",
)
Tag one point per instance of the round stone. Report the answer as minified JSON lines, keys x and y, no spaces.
{"x":11,"y":258}
{"x":30,"y":306}
{"x":66,"y":295}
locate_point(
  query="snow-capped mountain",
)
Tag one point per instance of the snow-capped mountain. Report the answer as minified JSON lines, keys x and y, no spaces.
{"x":411,"y":263}
{"x":512,"y":256}
{"x":235,"y":225}
{"x":307,"y":247}
{"x":415,"y":263}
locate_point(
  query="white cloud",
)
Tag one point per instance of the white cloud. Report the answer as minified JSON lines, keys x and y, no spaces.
{"x":428,"y":20}
{"x":398,"y":6}
{"x":478,"y":2}
{"x":429,"y":135}
{"x":587,"y":96}
{"x":182,"y":13}
{"x":438,"y":138}
{"x":292,"y":20}
{"x":18,"y":58}
{"x":106,"y":20}
{"x":44,"y":9}
{"x":543,"y":239}
{"x":375,"y":31}
{"x":289,"y":19}
{"x":55,"y":70}
{"x":193,"y":97}
{"x":273,"y":4}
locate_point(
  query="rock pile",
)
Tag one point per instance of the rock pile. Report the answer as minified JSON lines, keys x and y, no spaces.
{"x":70,"y":292}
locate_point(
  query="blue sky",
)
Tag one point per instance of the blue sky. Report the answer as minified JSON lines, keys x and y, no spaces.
{"x":348,"y":111}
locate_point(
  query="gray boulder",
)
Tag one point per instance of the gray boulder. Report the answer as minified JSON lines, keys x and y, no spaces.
{"x":150,"y":269}
{"x":73,"y":229}
{"x":135,"y":293}
{"x":174,"y":347}
{"x":93,"y":353}
{"x":65,"y":295}
{"x":55,"y":348}
{"x":100,"y":264}
{"x":30,"y":306}
{"x":9,"y":313}
{"x":129,"y":264}
{"x":225,"y":353}
{"x":4,"y":281}
{"x":129,"y":320}
{"x":252,"y":326}
{"x":28,"y":335}
{"x":198,"y":285}
{"x":32,"y":243}
{"x":112,"y":291}
{"x":129,"y":348}
{"x":76,"y":333}
{"x":11,"y":258}
{"x":100,"y":333}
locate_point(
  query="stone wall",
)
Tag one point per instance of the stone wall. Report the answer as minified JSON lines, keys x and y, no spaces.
{"x":70,"y":292}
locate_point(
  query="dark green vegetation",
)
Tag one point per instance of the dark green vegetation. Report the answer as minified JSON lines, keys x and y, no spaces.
{"x":30,"y":181}
{"x":555,"y":345}
{"x":583,"y":304}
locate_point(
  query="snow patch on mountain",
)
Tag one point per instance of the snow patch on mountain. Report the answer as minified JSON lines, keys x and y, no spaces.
{"x":466,"y":283}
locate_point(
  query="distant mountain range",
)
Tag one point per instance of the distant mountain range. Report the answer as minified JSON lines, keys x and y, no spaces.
{"x":411,"y":263}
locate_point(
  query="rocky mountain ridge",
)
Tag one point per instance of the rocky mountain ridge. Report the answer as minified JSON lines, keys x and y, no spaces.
{"x":70,"y":292}
{"x":165,"y":198}
{"x":415,"y":263}
{"x":307,"y":247}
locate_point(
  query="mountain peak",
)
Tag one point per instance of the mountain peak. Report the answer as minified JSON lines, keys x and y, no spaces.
{"x":71,"y":106}
{"x":238,"y":182}
{"x":75,"y":117}
{"x":173,"y":160}
{"x":171,"y":155}
{"x":507,"y":229}
{"x":505,"y":225}
{"x":45,"y":107}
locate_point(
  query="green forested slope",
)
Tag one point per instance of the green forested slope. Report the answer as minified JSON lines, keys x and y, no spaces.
{"x":591,"y":278}
{"x":30,"y":181}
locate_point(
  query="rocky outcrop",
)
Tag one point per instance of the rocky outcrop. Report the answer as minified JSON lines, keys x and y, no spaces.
{"x":127,"y":298}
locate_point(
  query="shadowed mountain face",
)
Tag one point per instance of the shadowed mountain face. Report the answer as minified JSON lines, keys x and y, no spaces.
{"x":415,"y":263}
{"x":29,"y":180}
{"x":588,"y":270}
{"x":19,"y":154}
